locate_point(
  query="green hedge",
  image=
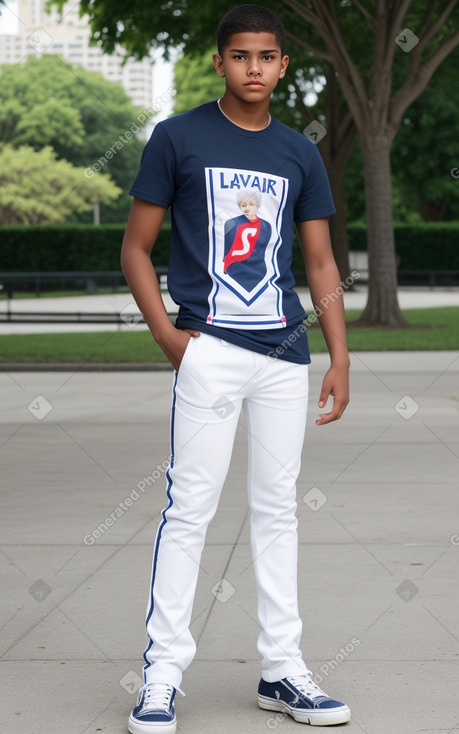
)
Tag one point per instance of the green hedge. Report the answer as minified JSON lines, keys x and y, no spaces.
{"x":429,"y":246}
{"x":86,"y":247}
{"x":69,"y":247}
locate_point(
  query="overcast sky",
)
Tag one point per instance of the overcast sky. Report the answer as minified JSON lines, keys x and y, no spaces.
{"x":8,"y":18}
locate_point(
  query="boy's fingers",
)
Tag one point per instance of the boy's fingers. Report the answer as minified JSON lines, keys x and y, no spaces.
{"x":338,"y":408}
{"x":336,"y":413}
{"x":335,"y":385}
{"x":323,"y":397}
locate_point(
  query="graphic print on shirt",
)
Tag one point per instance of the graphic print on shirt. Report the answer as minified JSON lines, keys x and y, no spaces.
{"x":245,"y":218}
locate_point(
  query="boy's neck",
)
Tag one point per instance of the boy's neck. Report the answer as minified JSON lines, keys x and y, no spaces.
{"x":248,"y":115}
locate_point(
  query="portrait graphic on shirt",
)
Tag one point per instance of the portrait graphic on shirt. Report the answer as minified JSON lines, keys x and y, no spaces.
{"x":245,"y":217}
{"x":246,"y":239}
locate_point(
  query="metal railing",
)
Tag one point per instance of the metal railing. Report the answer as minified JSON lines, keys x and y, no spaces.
{"x":93,"y":282}
{"x":90,"y":281}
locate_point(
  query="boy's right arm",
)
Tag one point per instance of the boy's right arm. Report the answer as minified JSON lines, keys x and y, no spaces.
{"x":142,"y":230}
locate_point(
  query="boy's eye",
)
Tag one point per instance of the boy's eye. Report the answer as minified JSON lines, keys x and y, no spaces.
{"x":268,"y":58}
{"x":238,"y":56}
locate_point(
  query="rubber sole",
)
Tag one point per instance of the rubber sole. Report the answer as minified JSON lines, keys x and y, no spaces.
{"x":316,"y":718}
{"x":149,"y":727}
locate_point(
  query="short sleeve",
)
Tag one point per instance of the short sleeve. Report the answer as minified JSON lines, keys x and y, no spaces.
{"x":155,"y":181}
{"x":315,"y":200}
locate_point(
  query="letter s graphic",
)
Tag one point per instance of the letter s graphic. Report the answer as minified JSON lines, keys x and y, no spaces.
{"x":245,"y":241}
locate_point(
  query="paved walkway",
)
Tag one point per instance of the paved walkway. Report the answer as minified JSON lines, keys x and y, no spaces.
{"x":123,"y":303}
{"x":83,"y":458}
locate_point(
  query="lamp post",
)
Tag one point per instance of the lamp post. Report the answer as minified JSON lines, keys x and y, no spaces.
{"x":96,"y":210}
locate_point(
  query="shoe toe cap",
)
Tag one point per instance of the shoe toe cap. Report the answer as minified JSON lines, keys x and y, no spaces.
{"x":152,"y":716}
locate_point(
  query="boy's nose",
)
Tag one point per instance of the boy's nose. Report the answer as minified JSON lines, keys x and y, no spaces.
{"x":254,"y":68}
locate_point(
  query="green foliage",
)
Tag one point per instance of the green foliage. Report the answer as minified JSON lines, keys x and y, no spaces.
{"x":85,"y":247}
{"x":426,"y":149}
{"x":111,"y":346}
{"x":36,"y":188}
{"x":196,"y":81}
{"x":70,"y":247}
{"x":143,"y":24}
{"x":49,"y":102}
{"x":427,"y":246}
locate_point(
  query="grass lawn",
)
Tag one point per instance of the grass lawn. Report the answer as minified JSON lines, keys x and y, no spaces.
{"x":430,"y":329}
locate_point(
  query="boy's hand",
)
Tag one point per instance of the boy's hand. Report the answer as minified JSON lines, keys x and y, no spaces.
{"x":175,"y":346}
{"x":335,"y":384}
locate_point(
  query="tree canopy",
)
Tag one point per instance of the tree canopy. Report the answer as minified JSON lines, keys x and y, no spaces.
{"x":49,"y":102}
{"x":36,"y":188}
{"x":383,"y":53}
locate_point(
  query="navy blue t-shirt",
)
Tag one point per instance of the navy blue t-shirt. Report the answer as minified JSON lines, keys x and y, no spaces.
{"x":235,"y":195}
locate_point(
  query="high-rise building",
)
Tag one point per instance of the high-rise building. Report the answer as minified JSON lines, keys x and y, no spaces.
{"x":66,"y":34}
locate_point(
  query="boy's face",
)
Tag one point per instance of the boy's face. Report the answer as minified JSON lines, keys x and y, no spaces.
{"x":252,"y":64}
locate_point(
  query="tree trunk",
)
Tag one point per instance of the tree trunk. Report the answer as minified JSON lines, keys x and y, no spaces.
{"x":431,"y":211}
{"x":382,"y":305}
{"x":338,"y":222}
{"x":335,"y":149}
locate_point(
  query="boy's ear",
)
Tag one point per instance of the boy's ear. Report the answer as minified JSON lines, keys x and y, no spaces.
{"x":218,"y":63}
{"x":284,"y":64}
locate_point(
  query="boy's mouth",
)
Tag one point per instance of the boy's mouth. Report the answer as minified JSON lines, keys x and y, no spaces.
{"x":254,"y":84}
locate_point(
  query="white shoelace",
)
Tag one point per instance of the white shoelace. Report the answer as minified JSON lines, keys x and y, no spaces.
{"x":157,"y":696}
{"x":308,"y":688}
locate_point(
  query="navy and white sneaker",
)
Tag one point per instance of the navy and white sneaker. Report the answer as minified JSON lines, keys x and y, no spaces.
{"x":154,"y":711}
{"x":300,"y":697}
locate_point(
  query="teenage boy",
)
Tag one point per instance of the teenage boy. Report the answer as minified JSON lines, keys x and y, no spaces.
{"x":238,"y":343}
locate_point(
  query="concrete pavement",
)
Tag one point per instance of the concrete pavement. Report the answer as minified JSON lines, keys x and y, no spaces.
{"x":379,"y":554}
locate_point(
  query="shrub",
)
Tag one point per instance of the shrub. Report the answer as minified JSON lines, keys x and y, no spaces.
{"x":429,"y":246}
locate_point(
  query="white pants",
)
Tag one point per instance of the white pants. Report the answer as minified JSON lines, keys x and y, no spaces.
{"x":214,"y":382}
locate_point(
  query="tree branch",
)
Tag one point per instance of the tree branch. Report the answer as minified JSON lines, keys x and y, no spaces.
{"x":415,"y":55}
{"x":307,"y":46}
{"x":350,"y":77}
{"x":435,"y":27}
{"x":417,"y":80}
{"x":303,"y":12}
{"x":346,"y":131}
{"x":351,"y":81}
{"x":394,"y":28}
{"x":402,"y":8}
{"x":427,"y":17}
{"x":364,"y":12}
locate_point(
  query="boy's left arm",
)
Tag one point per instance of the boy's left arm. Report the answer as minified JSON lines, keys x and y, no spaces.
{"x":326,"y":294}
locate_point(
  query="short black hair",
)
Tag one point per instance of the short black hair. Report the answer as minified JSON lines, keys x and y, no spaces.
{"x":250,"y":19}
